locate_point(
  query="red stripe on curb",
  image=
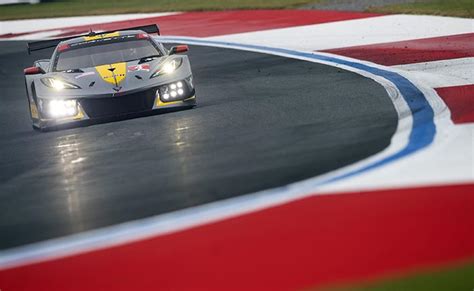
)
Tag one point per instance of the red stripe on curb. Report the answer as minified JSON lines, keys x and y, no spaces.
{"x":307,"y":243}
{"x":203,"y":24}
{"x":460,"y":101}
{"x":413,"y":51}
{"x":229,"y":22}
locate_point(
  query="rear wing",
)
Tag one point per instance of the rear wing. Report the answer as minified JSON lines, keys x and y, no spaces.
{"x":49,"y":43}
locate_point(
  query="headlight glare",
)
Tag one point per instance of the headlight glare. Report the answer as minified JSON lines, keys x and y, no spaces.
{"x":169,"y":67}
{"x":62,"y":108}
{"x":58,"y":84}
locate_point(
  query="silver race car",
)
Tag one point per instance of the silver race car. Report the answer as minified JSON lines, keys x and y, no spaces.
{"x":107,"y":74}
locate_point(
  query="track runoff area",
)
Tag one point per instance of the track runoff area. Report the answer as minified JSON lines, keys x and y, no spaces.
{"x":389,"y":134}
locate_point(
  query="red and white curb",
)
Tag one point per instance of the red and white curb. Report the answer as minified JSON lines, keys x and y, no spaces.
{"x":299,"y":237}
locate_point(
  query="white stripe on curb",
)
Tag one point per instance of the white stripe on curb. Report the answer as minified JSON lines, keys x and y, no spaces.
{"x":445,"y":73}
{"x":349,"y":33}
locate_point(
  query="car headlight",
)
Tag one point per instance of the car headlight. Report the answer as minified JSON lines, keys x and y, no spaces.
{"x":173,"y":91}
{"x":62,"y":108}
{"x":58,"y":84}
{"x":169,"y":67}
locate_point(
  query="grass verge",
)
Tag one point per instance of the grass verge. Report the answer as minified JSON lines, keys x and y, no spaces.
{"x":458,"y":8}
{"x":460,"y":277}
{"x":88,"y":7}
{"x":61,"y":8}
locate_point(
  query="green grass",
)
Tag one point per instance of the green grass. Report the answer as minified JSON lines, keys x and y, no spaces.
{"x":458,"y":8}
{"x":97,"y":7}
{"x":459,"y":278}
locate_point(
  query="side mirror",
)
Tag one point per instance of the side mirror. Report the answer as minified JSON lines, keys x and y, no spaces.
{"x":33,"y":71}
{"x":43,"y":64}
{"x":179,"y":49}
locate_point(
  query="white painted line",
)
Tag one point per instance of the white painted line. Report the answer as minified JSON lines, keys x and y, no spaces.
{"x":374,"y":30}
{"x":445,"y":73}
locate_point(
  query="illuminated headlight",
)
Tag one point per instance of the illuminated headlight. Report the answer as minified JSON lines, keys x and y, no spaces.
{"x":62,"y":108}
{"x":169,"y":67}
{"x":58,"y":84}
{"x":172,"y":92}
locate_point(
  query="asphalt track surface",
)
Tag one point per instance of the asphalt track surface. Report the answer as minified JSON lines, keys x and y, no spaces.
{"x":261,"y":122}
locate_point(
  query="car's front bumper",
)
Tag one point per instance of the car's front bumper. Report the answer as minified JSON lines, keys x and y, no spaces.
{"x":118,"y":105}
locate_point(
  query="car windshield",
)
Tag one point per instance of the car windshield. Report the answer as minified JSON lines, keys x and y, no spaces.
{"x":108,"y":53}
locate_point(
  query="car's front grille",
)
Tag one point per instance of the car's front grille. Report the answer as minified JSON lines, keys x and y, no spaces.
{"x":117,"y":105}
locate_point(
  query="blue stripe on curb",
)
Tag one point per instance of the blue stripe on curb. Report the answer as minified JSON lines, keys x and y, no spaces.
{"x":423,"y":129}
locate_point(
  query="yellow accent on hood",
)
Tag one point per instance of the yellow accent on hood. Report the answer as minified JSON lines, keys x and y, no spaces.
{"x":101,"y":36}
{"x":115,"y":76}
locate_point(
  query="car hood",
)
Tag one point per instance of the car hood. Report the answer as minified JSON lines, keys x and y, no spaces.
{"x":105,"y":80}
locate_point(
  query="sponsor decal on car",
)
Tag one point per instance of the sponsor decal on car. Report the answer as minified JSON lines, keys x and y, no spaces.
{"x":142,"y":67}
{"x":101,"y":36}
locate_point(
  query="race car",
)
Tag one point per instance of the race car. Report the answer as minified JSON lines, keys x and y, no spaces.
{"x":108,"y":74}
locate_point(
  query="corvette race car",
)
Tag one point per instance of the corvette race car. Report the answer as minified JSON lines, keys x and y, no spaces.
{"x":107,"y":74}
